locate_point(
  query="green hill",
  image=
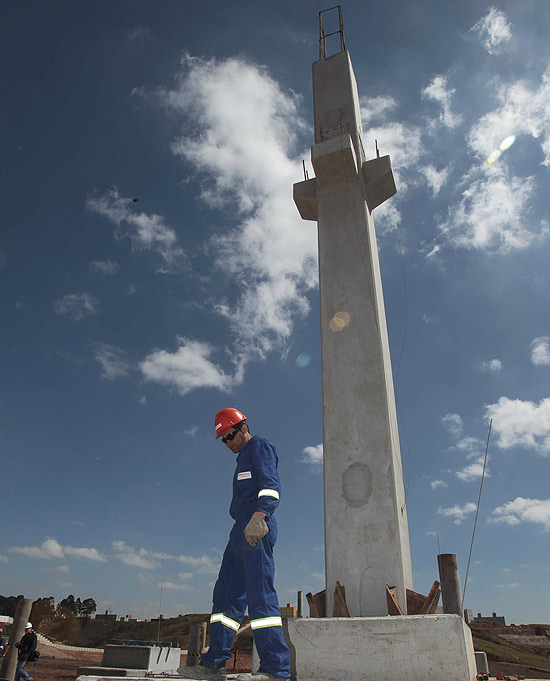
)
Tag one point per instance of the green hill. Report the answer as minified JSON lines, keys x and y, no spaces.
{"x":527,"y":655}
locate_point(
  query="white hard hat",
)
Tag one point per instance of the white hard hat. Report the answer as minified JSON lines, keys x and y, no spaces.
{"x":28,"y":625}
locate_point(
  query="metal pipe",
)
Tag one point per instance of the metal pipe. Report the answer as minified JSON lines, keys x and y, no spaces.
{"x":450,"y":584}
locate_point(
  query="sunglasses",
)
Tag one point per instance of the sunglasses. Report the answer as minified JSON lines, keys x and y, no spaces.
{"x":231,"y":436}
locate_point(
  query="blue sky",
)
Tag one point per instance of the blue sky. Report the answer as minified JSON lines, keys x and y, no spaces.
{"x":125,"y":325}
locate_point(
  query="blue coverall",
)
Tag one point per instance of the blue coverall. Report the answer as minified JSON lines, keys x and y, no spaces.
{"x":247,"y":572}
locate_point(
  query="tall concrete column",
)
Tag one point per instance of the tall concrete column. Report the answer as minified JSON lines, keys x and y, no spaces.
{"x":366,"y":531}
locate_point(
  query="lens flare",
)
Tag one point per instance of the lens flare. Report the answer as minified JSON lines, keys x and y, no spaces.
{"x":494,"y":156}
{"x":339,"y":321}
{"x":507,"y":142}
{"x":303,"y":360}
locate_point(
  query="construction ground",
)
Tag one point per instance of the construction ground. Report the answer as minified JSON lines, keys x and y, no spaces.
{"x":520,"y":651}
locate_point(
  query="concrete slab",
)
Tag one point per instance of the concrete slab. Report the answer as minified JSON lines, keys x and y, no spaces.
{"x":481,"y":662}
{"x":112,"y":672}
{"x":230,"y":677}
{"x":408,"y":648}
{"x":155,"y":659}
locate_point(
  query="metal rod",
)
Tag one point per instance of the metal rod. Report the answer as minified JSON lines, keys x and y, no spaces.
{"x":477,"y":512}
{"x":160,"y":600}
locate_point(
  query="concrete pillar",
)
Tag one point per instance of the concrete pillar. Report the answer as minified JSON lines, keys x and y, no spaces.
{"x":196,"y":643}
{"x":366,"y":530}
{"x":299,"y":604}
{"x":22,"y":614}
{"x":451,"y":594}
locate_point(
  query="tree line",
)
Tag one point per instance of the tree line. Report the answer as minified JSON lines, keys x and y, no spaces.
{"x":45,"y":609}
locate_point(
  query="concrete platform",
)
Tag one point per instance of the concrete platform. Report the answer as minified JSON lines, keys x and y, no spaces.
{"x":407,"y":648}
{"x":111,"y":672}
{"x":133,"y":661}
{"x":163,"y":676}
{"x":142,"y":657}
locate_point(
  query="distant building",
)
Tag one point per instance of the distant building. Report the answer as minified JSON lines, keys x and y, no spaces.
{"x":289,"y":612}
{"x":468,"y":616}
{"x":111,"y":617}
{"x":489,"y":620}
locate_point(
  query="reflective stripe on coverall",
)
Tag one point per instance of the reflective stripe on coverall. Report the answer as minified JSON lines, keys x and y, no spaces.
{"x":247,"y":572}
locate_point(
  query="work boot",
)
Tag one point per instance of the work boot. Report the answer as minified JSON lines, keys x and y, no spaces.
{"x":202,"y":673}
{"x":261,"y":675}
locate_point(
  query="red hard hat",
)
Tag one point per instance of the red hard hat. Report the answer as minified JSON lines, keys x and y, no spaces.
{"x":226,"y":419}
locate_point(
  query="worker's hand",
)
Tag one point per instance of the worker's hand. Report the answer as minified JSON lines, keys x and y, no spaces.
{"x":256,"y":529}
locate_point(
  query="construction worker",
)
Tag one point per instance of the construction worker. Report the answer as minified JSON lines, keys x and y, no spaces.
{"x":27,"y":646}
{"x":247,"y":570}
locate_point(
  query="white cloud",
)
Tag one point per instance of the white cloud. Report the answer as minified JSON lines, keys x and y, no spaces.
{"x":510,"y":585}
{"x":146,"y":232}
{"x":494,"y":30}
{"x":376,"y":108}
{"x":113,"y":361}
{"x":522,"y":510}
{"x":51,"y":548}
{"x":473,"y":471}
{"x":90,"y":554}
{"x":436,"y":484}
{"x":522,"y":111}
{"x":436,"y":179}
{"x":459,"y":513}
{"x":187,"y":368}
{"x":491,"y":215}
{"x":519,"y":423}
{"x":493,"y":366}
{"x":240,"y":136}
{"x":138,"y":558}
{"x":63,"y":568}
{"x":313,"y":455}
{"x":175,"y":585}
{"x":439,"y":91}
{"x":203,"y":564}
{"x":77,"y":305}
{"x":104,"y":267}
{"x":453,"y":423}
{"x":540,"y":351}
{"x":151,"y":560}
{"x":4,"y":559}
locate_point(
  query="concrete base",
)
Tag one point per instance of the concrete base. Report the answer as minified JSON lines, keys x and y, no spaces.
{"x":111,"y":672}
{"x":150,"y":658}
{"x":164,"y":677}
{"x":481,"y":662}
{"x":411,"y":648}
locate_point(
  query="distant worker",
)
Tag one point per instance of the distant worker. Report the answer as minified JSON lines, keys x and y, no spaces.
{"x":27,"y":646}
{"x":2,"y":642}
{"x":247,"y":570}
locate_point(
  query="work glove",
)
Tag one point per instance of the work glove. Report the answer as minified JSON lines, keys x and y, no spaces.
{"x":256,"y":529}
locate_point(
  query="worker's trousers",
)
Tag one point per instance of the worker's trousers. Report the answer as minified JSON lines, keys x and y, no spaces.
{"x":246,"y":578}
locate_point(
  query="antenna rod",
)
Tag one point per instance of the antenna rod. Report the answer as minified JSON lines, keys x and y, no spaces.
{"x":160,"y":600}
{"x":477,"y":512}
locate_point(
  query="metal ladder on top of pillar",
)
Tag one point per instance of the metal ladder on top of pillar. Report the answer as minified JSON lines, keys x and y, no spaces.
{"x":323,"y":36}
